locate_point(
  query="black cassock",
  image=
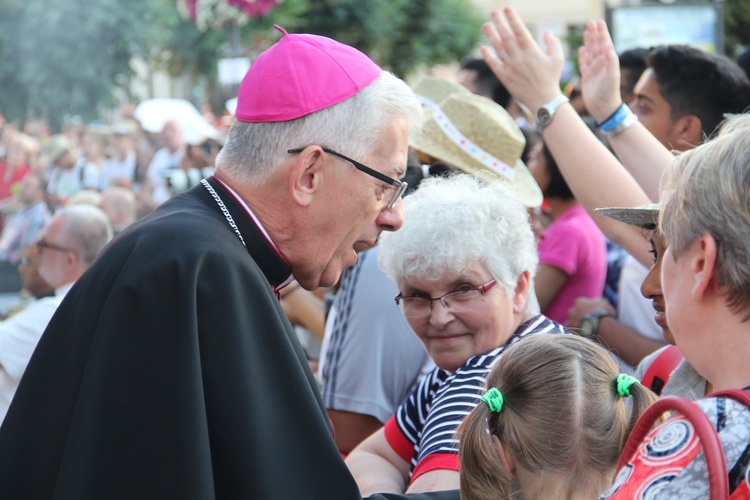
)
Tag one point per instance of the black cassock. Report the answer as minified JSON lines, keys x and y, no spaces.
{"x":171,"y":371}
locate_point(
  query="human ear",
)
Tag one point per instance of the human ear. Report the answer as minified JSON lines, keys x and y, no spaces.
{"x":689,"y":129}
{"x":306,"y":175}
{"x":521,"y":293}
{"x":703,"y":266}
{"x":506,"y":458}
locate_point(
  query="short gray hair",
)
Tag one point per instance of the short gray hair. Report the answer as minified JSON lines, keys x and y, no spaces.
{"x":254,"y":150}
{"x":451,"y":223}
{"x":88,"y":227}
{"x":712,"y":196}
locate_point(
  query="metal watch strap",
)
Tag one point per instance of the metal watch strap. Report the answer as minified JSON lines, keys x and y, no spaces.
{"x":547,"y":111}
{"x":590,"y":324}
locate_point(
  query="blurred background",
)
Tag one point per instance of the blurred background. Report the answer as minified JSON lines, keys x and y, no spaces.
{"x":67,"y":60}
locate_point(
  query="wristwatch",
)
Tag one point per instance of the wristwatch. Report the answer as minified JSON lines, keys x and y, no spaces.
{"x":547,"y":111}
{"x":590,"y":324}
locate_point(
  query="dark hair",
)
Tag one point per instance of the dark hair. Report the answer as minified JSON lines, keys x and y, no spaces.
{"x":697,"y":83}
{"x":634,"y":60}
{"x":743,"y":61}
{"x":557,"y":187}
{"x":486,"y":82}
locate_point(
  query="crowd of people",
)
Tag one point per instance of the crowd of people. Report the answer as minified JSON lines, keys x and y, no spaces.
{"x":497,"y":279}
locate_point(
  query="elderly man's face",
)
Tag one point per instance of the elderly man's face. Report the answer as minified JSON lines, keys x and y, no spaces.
{"x":29,"y":270}
{"x":56,"y":253}
{"x":451,"y":337}
{"x":354,"y":206}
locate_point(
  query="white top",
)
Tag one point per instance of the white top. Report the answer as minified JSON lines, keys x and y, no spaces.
{"x":19,"y":335}
{"x":634,"y":310}
{"x":116,"y":170}
{"x":64,"y":183}
{"x":158,"y":171}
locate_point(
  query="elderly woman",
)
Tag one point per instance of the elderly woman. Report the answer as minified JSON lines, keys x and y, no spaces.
{"x":706,"y":282}
{"x":464,"y":264}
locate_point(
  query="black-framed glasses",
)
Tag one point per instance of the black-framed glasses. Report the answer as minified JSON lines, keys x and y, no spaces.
{"x":457,"y":301}
{"x":400,"y":186}
{"x":43,"y":245}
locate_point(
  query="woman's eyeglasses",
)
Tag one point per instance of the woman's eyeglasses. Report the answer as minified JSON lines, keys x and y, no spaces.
{"x":456,"y":302}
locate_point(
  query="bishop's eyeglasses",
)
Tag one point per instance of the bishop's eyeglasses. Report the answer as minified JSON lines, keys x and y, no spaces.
{"x":398,"y":185}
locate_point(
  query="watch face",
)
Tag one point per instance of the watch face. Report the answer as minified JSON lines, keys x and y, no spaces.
{"x":587,"y":328}
{"x":543,"y":116}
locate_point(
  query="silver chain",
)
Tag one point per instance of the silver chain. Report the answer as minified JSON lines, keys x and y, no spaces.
{"x":224,"y":210}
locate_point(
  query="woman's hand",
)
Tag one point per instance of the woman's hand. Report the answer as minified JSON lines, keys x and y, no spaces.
{"x":600,"y":71}
{"x":530,"y":75}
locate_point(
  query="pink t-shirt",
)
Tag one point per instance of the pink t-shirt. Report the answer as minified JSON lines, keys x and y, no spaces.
{"x":574,"y":244}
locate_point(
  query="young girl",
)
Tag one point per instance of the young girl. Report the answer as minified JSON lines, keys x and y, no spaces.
{"x":557,"y":422}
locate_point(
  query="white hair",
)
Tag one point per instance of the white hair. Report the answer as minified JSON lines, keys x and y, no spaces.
{"x":254,"y":150}
{"x":451,"y":223}
{"x":88,"y":226}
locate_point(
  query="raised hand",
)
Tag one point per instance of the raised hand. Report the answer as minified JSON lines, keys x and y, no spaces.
{"x":600,"y":71}
{"x":531,"y":75}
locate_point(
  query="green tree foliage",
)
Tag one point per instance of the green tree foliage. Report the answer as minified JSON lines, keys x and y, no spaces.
{"x":737,"y":24}
{"x":398,"y":34}
{"x":67,"y":56}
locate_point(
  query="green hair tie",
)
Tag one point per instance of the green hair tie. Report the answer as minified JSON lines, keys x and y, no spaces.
{"x":493,"y":398}
{"x":624,"y":383}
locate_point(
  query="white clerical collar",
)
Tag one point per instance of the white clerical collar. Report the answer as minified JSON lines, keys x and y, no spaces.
{"x":257,"y":223}
{"x":248,"y":210}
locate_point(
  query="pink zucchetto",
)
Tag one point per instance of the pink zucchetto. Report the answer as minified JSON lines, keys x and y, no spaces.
{"x":299,"y":75}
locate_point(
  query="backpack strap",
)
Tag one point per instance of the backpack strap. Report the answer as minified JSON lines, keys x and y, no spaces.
{"x":658,"y":373}
{"x":704,"y":429}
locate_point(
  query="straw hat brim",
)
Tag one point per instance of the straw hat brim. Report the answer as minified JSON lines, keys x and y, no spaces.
{"x":437,"y":89}
{"x":523,"y":183}
{"x":644,"y":216}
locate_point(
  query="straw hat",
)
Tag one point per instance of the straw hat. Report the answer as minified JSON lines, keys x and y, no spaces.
{"x":54,"y":147}
{"x":430,"y":90}
{"x":644,"y":216}
{"x":477,"y":136}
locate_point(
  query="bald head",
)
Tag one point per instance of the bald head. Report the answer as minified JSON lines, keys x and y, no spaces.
{"x":73,"y":238}
{"x":119,"y":205}
{"x":172,"y":136}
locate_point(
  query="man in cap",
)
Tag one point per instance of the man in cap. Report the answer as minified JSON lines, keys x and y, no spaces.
{"x":119,"y":169}
{"x":68,"y":172}
{"x":183,"y":378}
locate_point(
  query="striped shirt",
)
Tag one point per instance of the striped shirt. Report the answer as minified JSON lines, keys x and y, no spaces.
{"x":423,"y":429}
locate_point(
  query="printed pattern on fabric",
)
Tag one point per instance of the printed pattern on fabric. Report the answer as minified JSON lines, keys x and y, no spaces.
{"x":432,"y":413}
{"x":670,"y":463}
{"x":343,"y":303}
